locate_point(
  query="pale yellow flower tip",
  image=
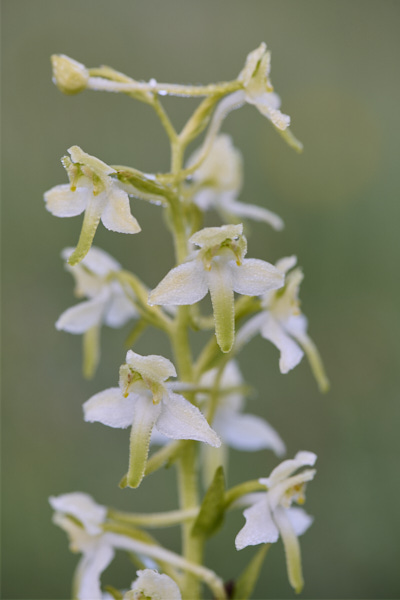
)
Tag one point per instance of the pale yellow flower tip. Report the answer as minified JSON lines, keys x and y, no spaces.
{"x":70,"y":76}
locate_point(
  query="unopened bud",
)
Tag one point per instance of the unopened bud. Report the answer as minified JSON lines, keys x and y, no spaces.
{"x":70,"y":76}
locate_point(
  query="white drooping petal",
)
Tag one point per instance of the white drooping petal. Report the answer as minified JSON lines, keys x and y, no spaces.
{"x":89,"y":570}
{"x":291,"y":353}
{"x":116,"y":215}
{"x":83,"y":316}
{"x":185,"y":284}
{"x":180,"y":420}
{"x":255,"y":277}
{"x":82,"y":507}
{"x":153,"y":366}
{"x":248,"y":432}
{"x":251,"y":211}
{"x":299,"y":519}
{"x":120,"y":308}
{"x":259,"y":528}
{"x":251,"y":328}
{"x":110,"y":408}
{"x":287,"y":467}
{"x":154,"y":586}
{"x":62,"y":202}
{"x":97,"y":260}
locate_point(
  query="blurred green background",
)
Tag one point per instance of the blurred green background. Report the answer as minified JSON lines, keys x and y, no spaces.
{"x":335,"y":65}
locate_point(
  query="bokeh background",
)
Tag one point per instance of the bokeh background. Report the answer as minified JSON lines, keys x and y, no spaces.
{"x":335,"y":65}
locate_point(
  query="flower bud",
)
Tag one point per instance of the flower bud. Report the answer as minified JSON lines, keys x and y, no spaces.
{"x":70,"y":76}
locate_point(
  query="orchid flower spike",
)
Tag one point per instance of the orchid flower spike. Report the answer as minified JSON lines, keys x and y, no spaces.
{"x":143,"y":401}
{"x":219,"y":181}
{"x":238,"y":430}
{"x":107,"y":302}
{"x":260,"y":92}
{"x":94,"y":191}
{"x":151,"y":585}
{"x":219,"y":266}
{"x":270,"y":514}
{"x":282,"y":323}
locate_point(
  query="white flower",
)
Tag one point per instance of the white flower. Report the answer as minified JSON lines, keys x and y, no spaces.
{"x":237,"y":430}
{"x":107,"y":302}
{"x":282,"y":323}
{"x":143,"y":401}
{"x":271,"y":515}
{"x":218,"y":266}
{"x":82,"y":519}
{"x":92,"y":190}
{"x":151,"y":585}
{"x":258,"y":88}
{"x":219,"y":181}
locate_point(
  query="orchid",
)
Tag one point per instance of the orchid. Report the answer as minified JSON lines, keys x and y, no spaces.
{"x":282,"y":323}
{"x":237,"y":430}
{"x":107,"y":303}
{"x":94,"y":191}
{"x":218,"y":181}
{"x":270,"y":514}
{"x":143,"y":401}
{"x":82,"y":519}
{"x":220,"y":267}
{"x":151,"y":585}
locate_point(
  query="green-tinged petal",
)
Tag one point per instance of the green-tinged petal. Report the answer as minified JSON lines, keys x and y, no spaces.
{"x":151,"y":585}
{"x":315,"y":360}
{"x":180,"y":420}
{"x":255,"y":277}
{"x":91,"y":351}
{"x":83,"y":316}
{"x":215,"y":236}
{"x":98,"y":166}
{"x":185,"y":284}
{"x":259,"y":528}
{"x":212,"y":508}
{"x":292,"y":549}
{"x":145,"y":415}
{"x":61,"y":201}
{"x":116,"y":215}
{"x":91,"y":220}
{"x":152,"y":367}
{"x":251,"y":211}
{"x":111,"y":408}
{"x":291,"y":140}
{"x":219,"y":280}
{"x":69,"y":75}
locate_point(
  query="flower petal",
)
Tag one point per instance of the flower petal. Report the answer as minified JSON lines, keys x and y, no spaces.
{"x":94,"y":208}
{"x":116,"y":215}
{"x":299,"y":520}
{"x":83,"y":316}
{"x":219,"y":280}
{"x":291,"y":353}
{"x":292,"y":549}
{"x":259,"y":528}
{"x":287,"y":467}
{"x":151,"y":584}
{"x":145,"y":415}
{"x":250,"y":329}
{"x":255,"y":277}
{"x":120,"y":309}
{"x":62,"y":202}
{"x":248,"y":432}
{"x":153,"y":366}
{"x":82,"y":507}
{"x":90,"y":567}
{"x":185,"y":284}
{"x":180,"y":420}
{"x":251,"y":211}
{"x":111,"y":408}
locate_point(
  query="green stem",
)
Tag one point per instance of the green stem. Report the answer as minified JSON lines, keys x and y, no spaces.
{"x":242,"y":489}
